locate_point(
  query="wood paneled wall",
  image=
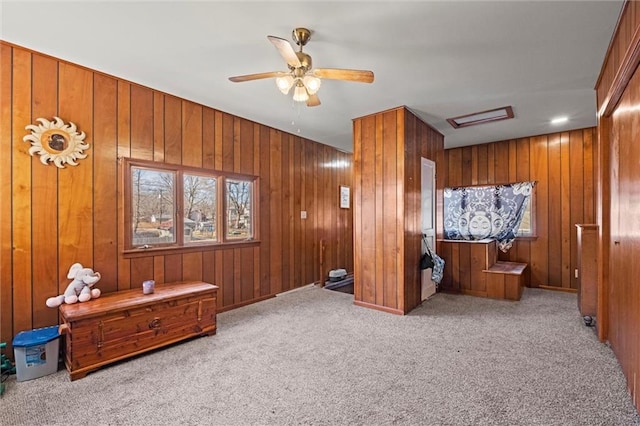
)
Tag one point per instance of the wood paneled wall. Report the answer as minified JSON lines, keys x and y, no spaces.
{"x":562,"y":164}
{"x":618,"y":90}
{"x":388,"y":148}
{"x":51,"y":218}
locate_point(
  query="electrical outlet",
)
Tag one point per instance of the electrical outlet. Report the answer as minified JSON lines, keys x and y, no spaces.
{"x":575,"y":273}
{"x":303,"y":214}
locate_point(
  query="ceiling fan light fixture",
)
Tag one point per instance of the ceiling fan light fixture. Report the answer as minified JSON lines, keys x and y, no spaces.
{"x":301,"y":76}
{"x":300,"y":93}
{"x":312,"y":84}
{"x":284,"y":83}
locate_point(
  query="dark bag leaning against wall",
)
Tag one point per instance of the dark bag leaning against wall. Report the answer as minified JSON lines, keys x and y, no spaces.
{"x":426,"y":261}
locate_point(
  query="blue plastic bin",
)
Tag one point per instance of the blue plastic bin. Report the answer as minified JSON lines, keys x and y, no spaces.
{"x":36,"y":352}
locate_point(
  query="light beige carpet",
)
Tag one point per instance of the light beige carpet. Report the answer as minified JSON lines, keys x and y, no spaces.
{"x":312,"y":357}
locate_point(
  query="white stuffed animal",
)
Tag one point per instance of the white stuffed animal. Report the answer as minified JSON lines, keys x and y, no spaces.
{"x":80,"y":289}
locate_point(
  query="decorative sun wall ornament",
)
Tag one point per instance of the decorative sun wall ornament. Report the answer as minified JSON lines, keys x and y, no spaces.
{"x":56,"y":141}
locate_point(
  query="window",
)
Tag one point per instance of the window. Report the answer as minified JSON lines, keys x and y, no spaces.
{"x":153,"y":206}
{"x":489,"y":211}
{"x":528,"y":225}
{"x":238,"y":208}
{"x":173,"y":206}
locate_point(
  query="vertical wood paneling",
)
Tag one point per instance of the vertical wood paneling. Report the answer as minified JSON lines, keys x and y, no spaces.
{"x":286,"y":214}
{"x":265,"y":211}
{"x":358,"y":280}
{"x":75,"y":206}
{"x":308,"y":204}
{"x":539,"y":263}
{"x":105,"y":214}
{"x":564,"y":186}
{"x":142,"y":123}
{"x":208,"y":139}
{"x":123,"y":99}
{"x":523,"y":246}
{"x":589,"y":173}
{"x":217,"y":140}
{"x":158,"y":127}
{"x":44,"y":209}
{"x":141,"y":269}
{"x":275,"y":209}
{"x":21,"y":193}
{"x":467,"y":169}
{"x":84,"y":211}
{"x":390,"y":238}
{"x":294,"y":216}
{"x":618,"y":194}
{"x":576,"y":195}
{"x":191,"y":134}
{"x":454,"y":177}
{"x":192,"y":266}
{"x":158,"y":269}
{"x":228,"y":277}
{"x":501,"y":162}
{"x":554,"y":218}
{"x":568,"y":228}
{"x":464,"y":270}
{"x":6,"y":188}
{"x":227,"y":142}
{"x":483,"y":165}
{"x":298,"y":222}
{"x":380,"y":272}
{"x":388,"y":147}
{"x":172,"y":130}
{"x":368,"y":236}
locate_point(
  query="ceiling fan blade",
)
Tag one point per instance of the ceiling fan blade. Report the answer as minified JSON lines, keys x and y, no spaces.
{"x":361,"y":76}
{"x":286,"y":51}
{"x":313,"y":100}
{"x":249,"y":77}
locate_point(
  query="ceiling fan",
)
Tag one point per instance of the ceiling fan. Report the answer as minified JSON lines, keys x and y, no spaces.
{"x":304,"y":79}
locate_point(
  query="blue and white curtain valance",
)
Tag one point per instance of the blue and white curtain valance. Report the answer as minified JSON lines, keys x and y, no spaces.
{"x":478,"y":212}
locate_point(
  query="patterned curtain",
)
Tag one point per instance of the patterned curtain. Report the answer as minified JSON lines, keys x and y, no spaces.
{"x":478,"y":212}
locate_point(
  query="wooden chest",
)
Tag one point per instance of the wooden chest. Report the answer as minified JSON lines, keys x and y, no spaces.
{"x":126,"y":323}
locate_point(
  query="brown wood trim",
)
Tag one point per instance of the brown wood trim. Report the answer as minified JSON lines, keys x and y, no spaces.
{"x":623,"y":76}
{"x":611,"y":43}
{"x":603,"y":215}
{"x":378,"y":307}
{"x":192,"y":248}
{"x":563,"y":289}
{"x":476,"y":293}
{"x":245,"y":303}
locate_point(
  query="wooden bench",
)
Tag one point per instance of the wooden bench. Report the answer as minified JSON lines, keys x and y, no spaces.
{"x":473,"y":268}
{"x":122,"y":324}
{"x":505,"y":280}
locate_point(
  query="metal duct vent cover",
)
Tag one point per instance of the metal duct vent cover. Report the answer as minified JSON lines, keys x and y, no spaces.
{"x":497,"y":114}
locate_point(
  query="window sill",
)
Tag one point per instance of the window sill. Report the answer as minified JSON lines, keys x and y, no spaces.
{"x":526,"y":237}
{"x":193,"y":248}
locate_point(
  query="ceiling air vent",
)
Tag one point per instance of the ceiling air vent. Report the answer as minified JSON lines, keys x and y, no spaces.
{"x":497,"y":114}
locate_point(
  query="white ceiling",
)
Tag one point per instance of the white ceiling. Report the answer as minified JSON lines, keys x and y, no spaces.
{"x":440,"y":59}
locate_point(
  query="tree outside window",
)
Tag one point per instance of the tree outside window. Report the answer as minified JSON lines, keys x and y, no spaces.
{"x":173,"y":206}
{"x":152,"y":206}
{"x":199,"y":208}
{"x":239,"y":209}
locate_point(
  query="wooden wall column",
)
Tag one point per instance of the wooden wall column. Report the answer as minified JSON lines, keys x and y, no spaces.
{"x":388,"y":147}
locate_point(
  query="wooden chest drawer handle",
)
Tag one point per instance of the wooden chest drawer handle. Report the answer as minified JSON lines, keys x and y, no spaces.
{"x":155,"y":323}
